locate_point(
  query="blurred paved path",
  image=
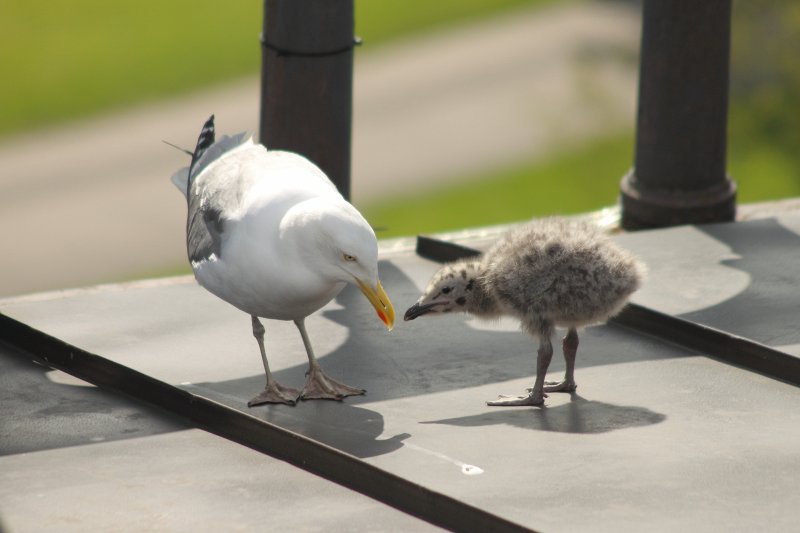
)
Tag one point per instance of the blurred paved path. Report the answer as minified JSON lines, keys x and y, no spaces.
{"x":91,"y":202}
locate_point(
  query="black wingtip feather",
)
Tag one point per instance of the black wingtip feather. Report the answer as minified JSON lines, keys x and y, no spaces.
{"x":205,"y":140}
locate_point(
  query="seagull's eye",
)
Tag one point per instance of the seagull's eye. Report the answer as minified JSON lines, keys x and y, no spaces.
{"x":447,"y":290}
{"x":349,"y":258}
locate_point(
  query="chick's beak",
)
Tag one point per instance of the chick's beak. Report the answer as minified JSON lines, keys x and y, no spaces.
{"x":418,"y":310}
{"x":380,"y":301}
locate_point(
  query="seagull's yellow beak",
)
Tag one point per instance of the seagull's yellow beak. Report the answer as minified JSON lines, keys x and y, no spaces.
{"x":380,"y":301}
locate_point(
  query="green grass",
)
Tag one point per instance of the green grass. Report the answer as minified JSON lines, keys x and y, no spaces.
{"x":583,"y":179}
{"x":764,"y":172}
{"x":71,"y":58}
{"x":65,"y":59}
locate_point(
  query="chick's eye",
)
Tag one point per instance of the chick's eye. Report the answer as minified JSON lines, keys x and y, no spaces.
{"x":349,"y":258}
{"x":447,"y":290}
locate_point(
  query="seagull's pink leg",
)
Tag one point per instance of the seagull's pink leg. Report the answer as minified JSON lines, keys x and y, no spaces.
{"x":319,"y":386}
{"x":274,"y":392}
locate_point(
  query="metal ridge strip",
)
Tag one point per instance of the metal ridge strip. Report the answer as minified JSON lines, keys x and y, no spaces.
{"x":259,"y":435}
{"x":443,"y":251}
{"x":703,"y":339}
{"x":720,"y":344}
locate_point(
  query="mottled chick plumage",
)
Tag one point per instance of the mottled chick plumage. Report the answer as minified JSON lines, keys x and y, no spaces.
{"x":548,"y":273}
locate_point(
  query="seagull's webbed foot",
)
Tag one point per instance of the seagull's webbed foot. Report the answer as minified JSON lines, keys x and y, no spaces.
{"x":560,"y":386}
{"x":512,"y":401}
{"x":320,"y":386}
{"x":275,"y":393}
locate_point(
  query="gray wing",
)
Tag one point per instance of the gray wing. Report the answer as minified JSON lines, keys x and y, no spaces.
{"x":213,"y":198}
{"x":211,"y":207}
{"x":215,"y":152}
{"x":204,"y":230}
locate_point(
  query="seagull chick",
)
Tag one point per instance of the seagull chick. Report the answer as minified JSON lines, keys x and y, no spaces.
{"x":268,"y":232}
{"x":548,"y":273}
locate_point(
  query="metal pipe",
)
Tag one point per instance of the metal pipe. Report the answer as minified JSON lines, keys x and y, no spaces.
{"x":679,"y":167}
{"x":307,"y":82}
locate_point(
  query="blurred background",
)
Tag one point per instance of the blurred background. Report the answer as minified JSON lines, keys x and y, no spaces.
{"x":466,"y":113}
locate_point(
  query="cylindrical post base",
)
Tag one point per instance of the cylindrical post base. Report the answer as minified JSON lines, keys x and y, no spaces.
{"x":679,"y":166}
{"x":643,"y":208}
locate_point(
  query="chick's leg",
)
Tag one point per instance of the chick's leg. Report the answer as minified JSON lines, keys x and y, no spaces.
{"x":274,"y":392}
{"x":570,"y":347}
{"x":320,"y":386}
{"x":536,"y":393}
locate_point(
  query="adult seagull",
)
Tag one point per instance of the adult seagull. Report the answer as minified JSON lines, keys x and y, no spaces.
{"x":268,"y":232}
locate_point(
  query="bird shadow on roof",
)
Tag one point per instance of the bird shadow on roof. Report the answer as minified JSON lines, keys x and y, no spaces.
{"x":440,"y":355}
{"x":450,"y":354}
{"x":579,"y":415}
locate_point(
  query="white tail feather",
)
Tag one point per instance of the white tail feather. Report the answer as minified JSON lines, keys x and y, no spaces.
{"x":215,"y":151}
{"x":225,"y":144}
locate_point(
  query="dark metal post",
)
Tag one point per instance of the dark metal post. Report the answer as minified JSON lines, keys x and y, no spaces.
{"x":679,"y":169}
{"x":307,"y":82}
